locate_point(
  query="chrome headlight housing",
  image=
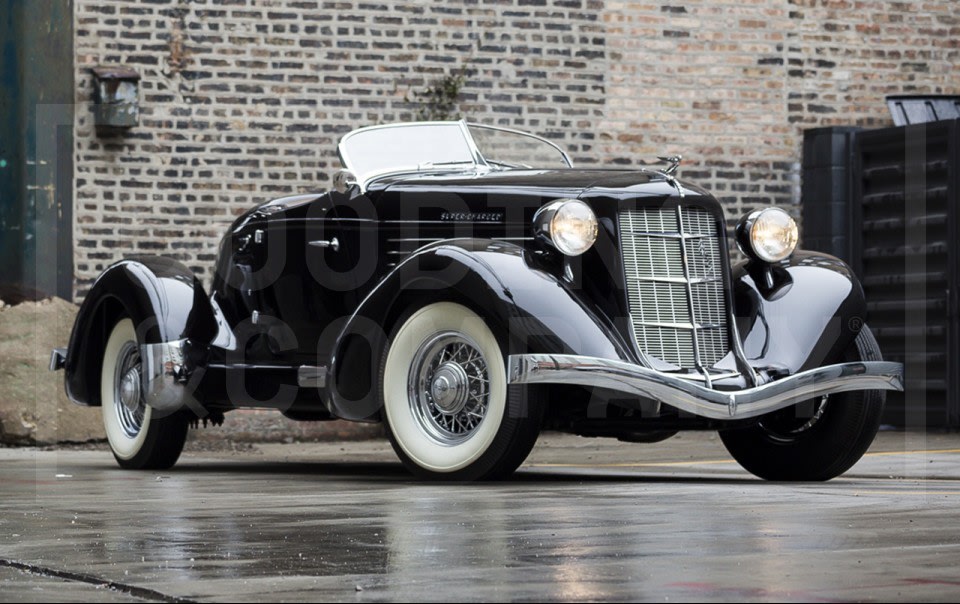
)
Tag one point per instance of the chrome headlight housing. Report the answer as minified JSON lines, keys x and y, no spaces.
{"x":770,"y":235}
{"x":568,"y":225}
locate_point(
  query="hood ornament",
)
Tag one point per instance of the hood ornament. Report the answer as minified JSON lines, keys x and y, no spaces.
{"x":670,"y":171}
{"x":673,"y":160}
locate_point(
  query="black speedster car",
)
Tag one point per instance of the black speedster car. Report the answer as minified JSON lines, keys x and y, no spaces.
{"x":468,"y":287}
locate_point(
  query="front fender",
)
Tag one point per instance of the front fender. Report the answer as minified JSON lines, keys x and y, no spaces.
{"x":527,"y":306}
{"x":799,"y":314}
{"x":163,"y":298}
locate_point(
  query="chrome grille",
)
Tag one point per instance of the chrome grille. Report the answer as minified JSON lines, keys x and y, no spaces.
{"x":677,"y":309}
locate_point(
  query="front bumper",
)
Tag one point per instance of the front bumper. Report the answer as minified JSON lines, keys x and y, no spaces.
{"x":699,"y":400}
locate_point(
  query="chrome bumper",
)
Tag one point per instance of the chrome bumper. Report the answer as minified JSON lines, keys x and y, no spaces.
{"x":699,"y":400}
{"x":163,"y":376}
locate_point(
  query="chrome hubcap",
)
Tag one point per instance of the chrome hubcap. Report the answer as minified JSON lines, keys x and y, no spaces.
{"x":128,"y":403}
{"x":449,"y":387}
{"x":130,"y":389}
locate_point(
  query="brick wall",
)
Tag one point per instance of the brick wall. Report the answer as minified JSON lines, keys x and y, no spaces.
{"x":244,"y":100}
{"x":732,"y":84}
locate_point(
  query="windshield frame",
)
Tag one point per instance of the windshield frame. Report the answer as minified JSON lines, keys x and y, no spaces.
{"x":478,"y":163}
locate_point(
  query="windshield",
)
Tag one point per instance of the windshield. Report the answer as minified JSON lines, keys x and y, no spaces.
{"x":370,"y":151}
{"x":505,"y":148}
{"x":434,"y":146}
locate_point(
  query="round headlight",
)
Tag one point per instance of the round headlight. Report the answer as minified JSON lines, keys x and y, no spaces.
{"x":569,"y":225}
{"x":770,"y":235}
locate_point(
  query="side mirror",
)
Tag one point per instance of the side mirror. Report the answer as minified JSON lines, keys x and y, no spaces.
{"x":343,"y":180}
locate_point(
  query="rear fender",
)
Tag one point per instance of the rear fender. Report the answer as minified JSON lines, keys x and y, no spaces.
{"x":166,"y":303}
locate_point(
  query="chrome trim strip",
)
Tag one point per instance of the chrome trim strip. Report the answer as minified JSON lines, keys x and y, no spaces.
{"x":697,"y":377}
{"x":687,"y":274}
{"x":164,"y":375}
{"x":435,"y":239}
{"x":682,"y":325}
{"x":680,"y":280}
{"x":413,"y":239}
{"x":668,"y":235}
{"x":311,"y":377}
{"x":694,"y":398}
{"x":428,"y":241}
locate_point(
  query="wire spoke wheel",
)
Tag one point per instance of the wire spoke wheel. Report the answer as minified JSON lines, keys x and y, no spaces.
{"x":449,"y":387}
{"x":128,"y":401}
{"x":448,"y":408}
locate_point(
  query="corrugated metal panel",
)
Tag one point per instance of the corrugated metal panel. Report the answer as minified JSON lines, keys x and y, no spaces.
{"x":905,"y":249}
{"x":917,"y":109}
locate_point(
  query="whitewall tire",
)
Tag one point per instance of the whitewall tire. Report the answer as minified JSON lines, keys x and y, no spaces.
{"x":138,"y":439}
{"x":449,"y":411}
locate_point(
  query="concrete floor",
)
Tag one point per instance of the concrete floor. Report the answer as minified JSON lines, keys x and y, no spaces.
{"x":584,"y":519}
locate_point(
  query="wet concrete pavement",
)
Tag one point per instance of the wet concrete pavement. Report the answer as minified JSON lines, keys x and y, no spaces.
{"x":584,"y":519}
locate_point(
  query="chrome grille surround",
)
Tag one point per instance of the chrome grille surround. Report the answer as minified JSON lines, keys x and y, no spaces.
{"x":675,"y":291}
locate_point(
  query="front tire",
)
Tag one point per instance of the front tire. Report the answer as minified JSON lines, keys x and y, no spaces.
{"x":139,"y":439}
{"x":449,"y":411}
{"x":790,"y":445}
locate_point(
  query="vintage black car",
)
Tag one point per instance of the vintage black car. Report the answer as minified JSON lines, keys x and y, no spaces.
{"x":468,"y":287}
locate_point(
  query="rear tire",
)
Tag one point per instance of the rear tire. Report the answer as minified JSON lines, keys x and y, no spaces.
{"x":448,"y":409}
{"x":790,"y":445}
{"x":139,"y":439}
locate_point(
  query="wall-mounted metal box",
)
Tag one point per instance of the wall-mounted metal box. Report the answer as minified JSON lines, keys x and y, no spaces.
{"x":116,"y":97}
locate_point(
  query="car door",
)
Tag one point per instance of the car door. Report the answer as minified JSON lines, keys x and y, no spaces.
{"x":308,"y":288}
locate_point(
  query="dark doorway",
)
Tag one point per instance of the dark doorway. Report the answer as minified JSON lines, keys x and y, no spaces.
{"x":36,"y":149}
